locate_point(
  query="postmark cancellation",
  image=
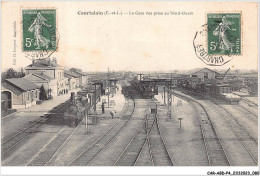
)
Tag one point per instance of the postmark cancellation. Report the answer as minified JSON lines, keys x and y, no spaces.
{"x":224,"y":33}
{"x":219,"y":40}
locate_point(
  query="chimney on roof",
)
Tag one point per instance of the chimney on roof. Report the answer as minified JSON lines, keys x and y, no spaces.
{"x":49,"y":62}
{"x":54,"y":60}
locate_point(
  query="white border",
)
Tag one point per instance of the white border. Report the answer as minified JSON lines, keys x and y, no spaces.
{"x":99,"y":170}
{"x":190,"y":170}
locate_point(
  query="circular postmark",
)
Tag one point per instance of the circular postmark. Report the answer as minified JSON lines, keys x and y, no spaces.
{"x":44,"y":53}
{"x":201,"y":49}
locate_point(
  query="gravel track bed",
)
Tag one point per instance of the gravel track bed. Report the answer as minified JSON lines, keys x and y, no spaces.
{"x":246,"y":139}
{"x":160,"y":155}
{"x":30,"y":147}
{"x":243,"y":118}
{"x":10,"y":145}
{"x":109,"y":154}
{"x":144,"y":159}
{"x":51,"y":148}
{"x":237,"y":154}
{"x":253,"y":109}
{"x":216,"y":154}
{"x":85,"y":157}
{"x":185,"y":146}
{"x":130,"y":154}
{"x":69,"y":152}
{"x":79,"y":142}
{"x":92,"y":151}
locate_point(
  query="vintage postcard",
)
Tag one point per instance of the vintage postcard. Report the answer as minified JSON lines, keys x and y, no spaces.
{"x":130,"y":84}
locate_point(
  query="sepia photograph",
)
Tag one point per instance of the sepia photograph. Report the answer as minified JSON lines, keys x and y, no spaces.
{"x":127,"y":83}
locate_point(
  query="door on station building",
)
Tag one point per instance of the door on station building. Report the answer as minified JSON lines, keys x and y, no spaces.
{"x":6,"y":100}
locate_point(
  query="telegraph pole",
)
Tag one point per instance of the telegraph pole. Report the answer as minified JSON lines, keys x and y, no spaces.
{"x":169,"y":100}
{"x":164,"y":95}
{"x":95,"y":105}
{"x":108,"y":86}
{"x":87,"y":106}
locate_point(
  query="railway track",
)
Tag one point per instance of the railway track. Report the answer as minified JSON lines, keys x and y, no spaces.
{"x":146,"y":148}
{"x":133,"y":148}
{"x":249,"y":142}
{"x":213,"y":145}
{"x":246,"y":111}
{"x":95,"y":148}
{"x":159,"y":151}
{"x":243,"y":135}
{"x":9,"y":144}
{"x":250,"y":102}
{"x":240,"y":108}
{"x":247,"y":107}
{"x":148,"y":135}
{"x":132,"y":151}
{"x":50,"y":149}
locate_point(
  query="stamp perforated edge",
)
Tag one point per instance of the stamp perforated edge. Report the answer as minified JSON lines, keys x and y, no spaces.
{"x":241,"y":30}
{"x":21,"y":26}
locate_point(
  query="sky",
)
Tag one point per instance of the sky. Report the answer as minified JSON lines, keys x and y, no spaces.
{"x":128,"y":42}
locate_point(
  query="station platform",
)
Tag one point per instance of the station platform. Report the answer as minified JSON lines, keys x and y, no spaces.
{"x":117,"y":102}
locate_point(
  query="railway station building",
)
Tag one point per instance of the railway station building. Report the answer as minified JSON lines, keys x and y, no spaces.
{"x":41,"y":80}
{"x":49,"y":69}
{"x":19,"y":93}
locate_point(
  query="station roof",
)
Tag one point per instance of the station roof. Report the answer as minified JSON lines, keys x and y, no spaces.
{"x":72,"y":74}
{"x":157,"y":80}
{"x":78,"y":71}
{"x":200,"y":69}
{"x":68,"y":76}
{"x":44,"y":76}
{"x":22,"y":84}
{"x":39,"y":76}
{"x":43,"y":63}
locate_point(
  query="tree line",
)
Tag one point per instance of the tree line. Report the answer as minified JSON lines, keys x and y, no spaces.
{"x":11,"y":73}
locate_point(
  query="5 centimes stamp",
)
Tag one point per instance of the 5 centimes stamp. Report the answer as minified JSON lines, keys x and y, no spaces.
{"x":224,"y":33}
{"x":200,"y":48}
{"x":39,"y":30}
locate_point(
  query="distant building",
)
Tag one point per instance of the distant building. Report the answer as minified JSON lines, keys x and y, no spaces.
{"x":73,"y":79}
{"x":19,"y":93}
{"x":83,"y":79}
{"x":250,"y":79}
{"x":205,"y":75}
{"x":231,"y":78}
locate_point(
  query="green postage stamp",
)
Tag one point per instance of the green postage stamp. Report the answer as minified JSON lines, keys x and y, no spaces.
{"x":39,"y":29}
{"x":224,"y":33}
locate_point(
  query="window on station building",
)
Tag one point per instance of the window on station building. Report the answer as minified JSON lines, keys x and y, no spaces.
{"x":206,"y":75}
